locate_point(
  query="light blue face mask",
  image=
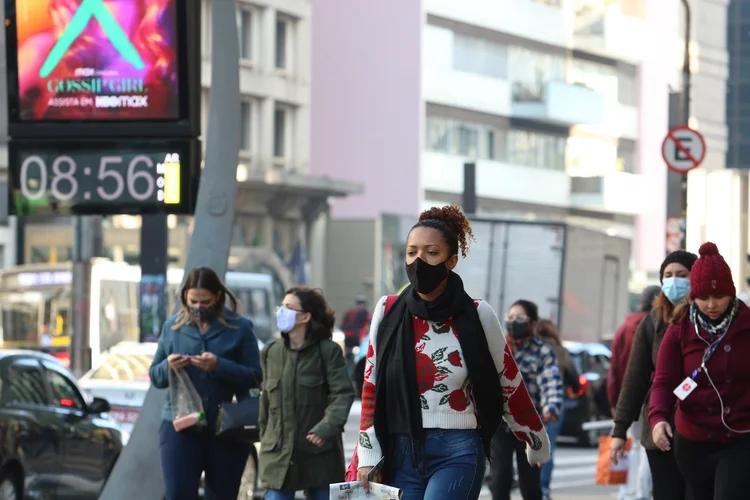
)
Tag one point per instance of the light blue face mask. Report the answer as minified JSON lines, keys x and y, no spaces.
{"x":286,"y":319}
{"x":675,"y":289}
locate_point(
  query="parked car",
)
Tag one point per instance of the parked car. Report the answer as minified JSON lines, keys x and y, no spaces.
{"x":589,"y":404}
{"x":122,"y":377}
{"x":54,"y":442}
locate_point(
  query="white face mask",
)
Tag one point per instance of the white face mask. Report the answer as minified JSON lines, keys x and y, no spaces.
{"x":286,"y":319}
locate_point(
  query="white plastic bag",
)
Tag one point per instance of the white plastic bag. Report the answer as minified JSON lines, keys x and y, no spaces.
{"x":187,"y":406}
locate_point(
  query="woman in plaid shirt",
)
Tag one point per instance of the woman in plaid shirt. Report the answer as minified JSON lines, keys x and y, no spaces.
{"x":538,"y":366}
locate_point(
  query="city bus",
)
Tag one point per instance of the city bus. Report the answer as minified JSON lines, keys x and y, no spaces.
{"x":37,"y":306}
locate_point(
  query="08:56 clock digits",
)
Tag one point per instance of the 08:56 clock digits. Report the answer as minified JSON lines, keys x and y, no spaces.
{"x":65,"y":171}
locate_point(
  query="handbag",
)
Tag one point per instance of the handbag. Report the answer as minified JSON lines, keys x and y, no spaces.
{"x":238,"y":421}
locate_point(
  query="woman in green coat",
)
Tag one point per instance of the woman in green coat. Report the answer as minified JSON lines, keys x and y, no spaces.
{"x":305,"y":403}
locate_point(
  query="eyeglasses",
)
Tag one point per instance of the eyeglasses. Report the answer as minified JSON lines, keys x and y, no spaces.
{"x":521,"y":318}
{"x":290,"y":308}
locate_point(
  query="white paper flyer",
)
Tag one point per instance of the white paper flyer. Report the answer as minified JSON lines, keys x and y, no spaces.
{"x":354,"y":489}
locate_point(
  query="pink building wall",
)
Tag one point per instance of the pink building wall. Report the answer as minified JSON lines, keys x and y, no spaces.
{"x":366,"y":106}
{"x":656,"y":75}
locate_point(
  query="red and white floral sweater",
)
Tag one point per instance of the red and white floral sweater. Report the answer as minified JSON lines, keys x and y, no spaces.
{"x":442,"y":378}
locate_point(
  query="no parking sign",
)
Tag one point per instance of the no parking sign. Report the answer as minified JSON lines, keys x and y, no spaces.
{"x":683,"y":149}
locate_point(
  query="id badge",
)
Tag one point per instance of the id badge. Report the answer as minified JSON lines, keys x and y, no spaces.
{"x":685,"y":388}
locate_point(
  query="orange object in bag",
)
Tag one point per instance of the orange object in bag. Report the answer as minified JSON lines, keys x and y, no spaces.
{"x":607,"y":473}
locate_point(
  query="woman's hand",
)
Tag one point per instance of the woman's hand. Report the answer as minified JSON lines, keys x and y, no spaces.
{"x":662,"y":433}
{"x":206,"y":361}
{"x":177,"y":361}
{"x":362,"y":473}
{"x":616,"y":450}
{"x":315,"y":439}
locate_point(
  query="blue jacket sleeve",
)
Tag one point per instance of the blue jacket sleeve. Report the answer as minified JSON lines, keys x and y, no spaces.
{"x":159,"y":371}
{"x":247,"y":371}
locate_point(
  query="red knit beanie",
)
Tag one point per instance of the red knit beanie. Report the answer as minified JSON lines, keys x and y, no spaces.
{"x":710,"y":274}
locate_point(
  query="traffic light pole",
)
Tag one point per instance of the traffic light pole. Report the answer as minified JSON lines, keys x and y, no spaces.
{"x":137,"y":474}
{"x":686,"y":84}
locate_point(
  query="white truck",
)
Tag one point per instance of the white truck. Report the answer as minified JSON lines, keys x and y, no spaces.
{"x":577,"y":276}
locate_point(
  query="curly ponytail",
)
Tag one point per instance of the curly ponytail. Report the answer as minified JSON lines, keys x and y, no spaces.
{"x":452,"y":223}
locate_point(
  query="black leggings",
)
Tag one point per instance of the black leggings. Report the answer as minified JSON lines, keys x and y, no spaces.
{"x":504,"y":445}
{"x":715,"y":470}
{"x":667,"y":480}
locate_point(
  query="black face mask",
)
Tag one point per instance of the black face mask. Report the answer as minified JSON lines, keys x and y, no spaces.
{"x":518,"y":330}
{"x":204,"y":314}
{"x":424,"y":277}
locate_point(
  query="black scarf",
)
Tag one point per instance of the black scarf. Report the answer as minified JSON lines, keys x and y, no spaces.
{"x":397,"y":398}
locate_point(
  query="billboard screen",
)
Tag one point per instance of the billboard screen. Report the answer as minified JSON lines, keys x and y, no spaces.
{"x":96,"y":60}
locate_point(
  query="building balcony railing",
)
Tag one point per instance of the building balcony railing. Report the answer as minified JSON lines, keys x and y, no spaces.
{"x":560,"y":103}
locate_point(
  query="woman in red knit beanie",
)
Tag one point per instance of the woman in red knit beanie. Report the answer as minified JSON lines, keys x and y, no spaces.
{"x":703,"y":366}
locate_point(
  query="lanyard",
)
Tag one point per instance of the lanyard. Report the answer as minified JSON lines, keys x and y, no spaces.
{"x":709,"y":352}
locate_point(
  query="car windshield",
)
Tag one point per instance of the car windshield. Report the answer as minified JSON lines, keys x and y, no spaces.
{"x":126,"y":367}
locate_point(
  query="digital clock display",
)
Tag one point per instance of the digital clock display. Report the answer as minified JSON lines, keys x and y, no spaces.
{"x":103,"y":178}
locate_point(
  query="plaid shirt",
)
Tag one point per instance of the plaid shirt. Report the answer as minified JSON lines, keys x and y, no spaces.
{"x":538,"y":365}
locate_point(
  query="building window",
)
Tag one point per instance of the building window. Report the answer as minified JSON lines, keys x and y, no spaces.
{"x":491,"y":144}
{"x":468,"y":141}
{"x":444,"y":135}
{"x":482,"y":57}
{"x":282,"y":43}
{"x":246,"y":138}
{"x":280,"y":134}
{"x":439,"y":135}
{"x":536,"y":149}
{"x":245,"y":32}
{"x":531,"y":71}
{"x":601,"y":78}
{"x":626,"y":156}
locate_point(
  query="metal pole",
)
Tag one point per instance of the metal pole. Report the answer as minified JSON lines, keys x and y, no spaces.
{"x":686,"y":83}
{"x":209,"y":244}
{"x":470,"y":188}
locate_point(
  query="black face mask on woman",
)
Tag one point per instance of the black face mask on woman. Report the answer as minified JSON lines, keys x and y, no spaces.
{"x":518,"y":330}
{"x":204,"y":314}
{"x":424,"y":277}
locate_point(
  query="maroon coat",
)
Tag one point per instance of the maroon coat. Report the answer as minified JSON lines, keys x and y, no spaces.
{"x":622,"y":344}
{"x":698,"y":417}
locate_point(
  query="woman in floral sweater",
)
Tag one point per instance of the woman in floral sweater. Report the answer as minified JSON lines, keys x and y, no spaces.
{"x":439,"y":377}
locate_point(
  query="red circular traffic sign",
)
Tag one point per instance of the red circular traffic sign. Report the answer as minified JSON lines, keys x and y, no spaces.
{"x":683,"y":149}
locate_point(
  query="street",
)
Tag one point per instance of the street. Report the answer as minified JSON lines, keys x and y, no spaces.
{"x":572,"y":479}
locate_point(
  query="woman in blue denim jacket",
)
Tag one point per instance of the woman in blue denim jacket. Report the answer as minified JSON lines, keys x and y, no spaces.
{"x":217,"y":349}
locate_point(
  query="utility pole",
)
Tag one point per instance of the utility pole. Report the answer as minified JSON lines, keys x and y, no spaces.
{"x":686,"y":84}
{"x":137,"y":474}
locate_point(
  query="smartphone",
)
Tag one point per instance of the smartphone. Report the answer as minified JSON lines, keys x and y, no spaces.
{"x":375,"y":469}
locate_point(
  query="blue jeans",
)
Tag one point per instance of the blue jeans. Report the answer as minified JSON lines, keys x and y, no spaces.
{"x":314,"y":494}
{"x":185,"y":455}
{"x":553,"y":430}
{"x":449,"y":465}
